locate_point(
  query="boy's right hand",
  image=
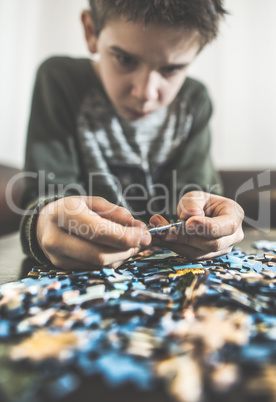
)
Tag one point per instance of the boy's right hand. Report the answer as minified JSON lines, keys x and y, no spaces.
{"x":88,"y":232}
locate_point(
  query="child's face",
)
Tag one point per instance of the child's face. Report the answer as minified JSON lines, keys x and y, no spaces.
{"x":142,"y":69}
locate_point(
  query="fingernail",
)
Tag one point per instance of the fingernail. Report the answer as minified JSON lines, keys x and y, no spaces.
{"x":157,"y":220}
{"x":145,"y":239}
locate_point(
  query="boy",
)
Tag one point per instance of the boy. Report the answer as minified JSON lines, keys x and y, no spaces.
{"x":130,"y":128}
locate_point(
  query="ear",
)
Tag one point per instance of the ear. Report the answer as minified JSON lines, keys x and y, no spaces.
{"x":89,"y":31}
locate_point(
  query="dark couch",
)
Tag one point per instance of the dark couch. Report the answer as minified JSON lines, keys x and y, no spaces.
{"x":9,"y":220}
{"x":255,"y":191}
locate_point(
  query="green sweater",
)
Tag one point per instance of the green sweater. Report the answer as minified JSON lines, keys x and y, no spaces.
{"x":77,"y":144}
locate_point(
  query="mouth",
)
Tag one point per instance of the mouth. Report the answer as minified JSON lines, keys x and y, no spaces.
{"x":137,"y":114}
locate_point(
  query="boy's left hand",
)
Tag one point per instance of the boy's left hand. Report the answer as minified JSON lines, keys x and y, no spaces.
{"x":213,"y":226}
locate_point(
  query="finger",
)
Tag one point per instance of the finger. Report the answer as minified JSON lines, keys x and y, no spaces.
{"x":112,"y":212}
{"x":226,"y":214}
{"x":76,"y":253}
{"x":70,"y":264}
{"x":89,"y":225}
{"x":107,"y":233}
{"x":215,"y":227}
{"x":100,"y":206}
{"x":192,"y":253}
{"x":202,"y":243}
{"x":158,"y":220}
{"x":192,"y":204}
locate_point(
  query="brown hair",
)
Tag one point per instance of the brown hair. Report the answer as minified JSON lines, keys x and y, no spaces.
{"x":201,"y":15}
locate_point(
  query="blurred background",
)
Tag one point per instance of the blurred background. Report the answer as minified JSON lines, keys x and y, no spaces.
{"x":239,"y":70}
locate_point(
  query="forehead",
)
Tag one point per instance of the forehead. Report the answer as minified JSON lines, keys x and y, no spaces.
{"x":157,"y":41}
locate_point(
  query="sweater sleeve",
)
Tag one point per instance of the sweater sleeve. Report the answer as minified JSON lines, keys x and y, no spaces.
{"x":52,"y":166}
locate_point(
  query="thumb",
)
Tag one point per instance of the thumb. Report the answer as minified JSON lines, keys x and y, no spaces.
{"x":192,"y":204}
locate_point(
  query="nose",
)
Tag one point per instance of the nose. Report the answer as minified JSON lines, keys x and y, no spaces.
{"x":145,"y":86}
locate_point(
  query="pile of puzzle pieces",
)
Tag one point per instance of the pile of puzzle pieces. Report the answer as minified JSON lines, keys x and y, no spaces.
{"x":159,"y":327}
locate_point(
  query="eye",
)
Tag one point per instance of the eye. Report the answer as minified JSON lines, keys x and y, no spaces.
{"x":124,"y":60}
{"x":171,"y":70}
